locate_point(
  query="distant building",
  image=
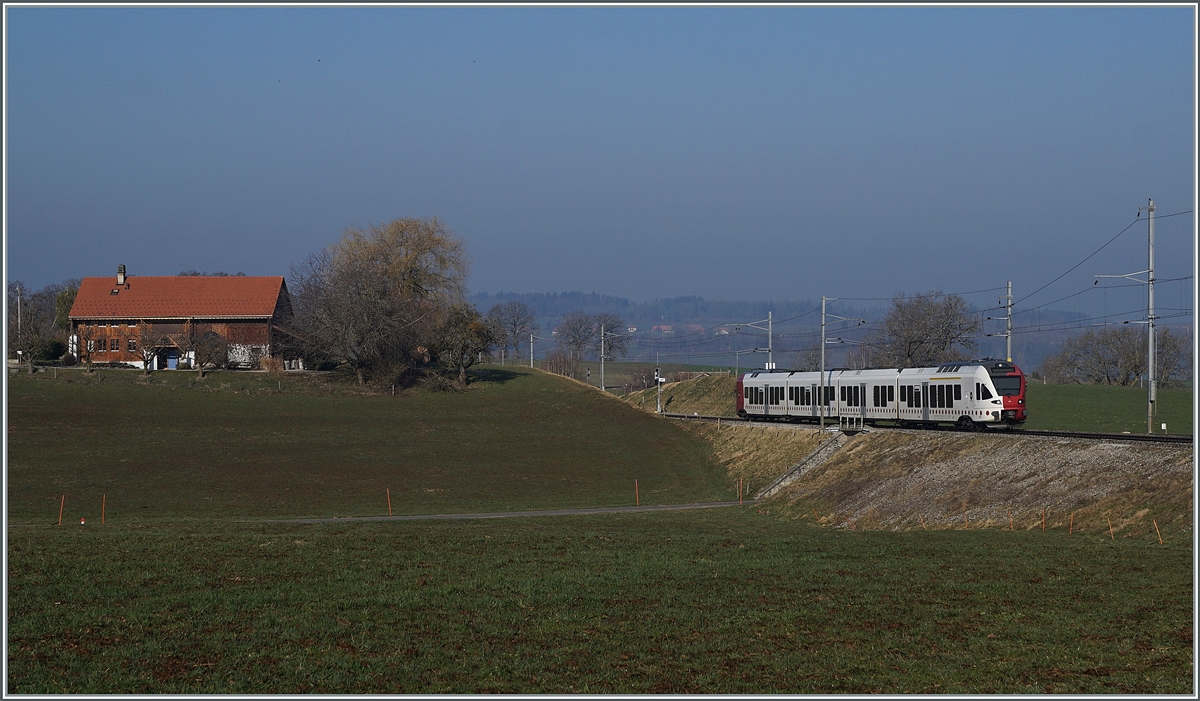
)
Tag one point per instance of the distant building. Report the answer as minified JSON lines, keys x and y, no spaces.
{"x":248,"y":312}
{"x":631,"y":329}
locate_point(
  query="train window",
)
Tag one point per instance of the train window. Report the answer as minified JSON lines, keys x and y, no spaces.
{"x":858,"y":398}
{"x":984,"y":392}
{"x":916,"y":398}
{"x":949,"y":397}
{"x":939,"y":401}
{"x":891,"y":394}
{"x":904,"y":393}
{"x":875,"y":395}
{"x":958,"y":392}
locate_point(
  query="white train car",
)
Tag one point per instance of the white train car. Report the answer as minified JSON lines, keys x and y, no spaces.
{"x":969,"y":394}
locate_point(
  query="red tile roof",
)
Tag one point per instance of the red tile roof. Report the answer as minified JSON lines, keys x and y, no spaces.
{"x":176,"y":297}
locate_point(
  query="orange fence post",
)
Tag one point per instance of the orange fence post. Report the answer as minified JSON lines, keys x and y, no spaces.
{"x":1071,"y":529}
{"x":922,"y":522}
{"x":103,"y":498}
{"x":1158,"y":532}
{"x":61,"y":504}
{"x":389,"y":496}
{"x":637,"y":500}
{"x":1043,"y":519}
{"x":1010,"y":521}
{"x":1110,"y":533}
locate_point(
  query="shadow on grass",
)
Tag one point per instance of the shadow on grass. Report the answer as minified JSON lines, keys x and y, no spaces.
{"x":493,"y":376}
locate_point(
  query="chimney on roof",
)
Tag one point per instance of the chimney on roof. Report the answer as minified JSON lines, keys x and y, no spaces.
{"x":121,"y":274}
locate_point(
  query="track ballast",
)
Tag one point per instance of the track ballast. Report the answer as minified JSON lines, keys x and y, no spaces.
{"x":1085,"y":435}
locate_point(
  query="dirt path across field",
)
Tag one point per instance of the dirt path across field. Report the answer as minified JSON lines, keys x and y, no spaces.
{"x":511,"y":514}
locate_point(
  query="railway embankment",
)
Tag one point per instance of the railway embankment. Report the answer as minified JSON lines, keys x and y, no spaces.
{"x":919,"y":479}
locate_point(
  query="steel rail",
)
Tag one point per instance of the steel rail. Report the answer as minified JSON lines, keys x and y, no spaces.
{"x":1086,"y":435}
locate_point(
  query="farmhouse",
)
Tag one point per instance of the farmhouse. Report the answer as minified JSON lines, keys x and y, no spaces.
{"x":110,"y":315}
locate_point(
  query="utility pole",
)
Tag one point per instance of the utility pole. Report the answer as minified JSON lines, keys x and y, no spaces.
{"x":1008,"y":325}
{"x":531,"y":351}
{"x":1151,"y":375}
{"x":824,"y":381}
{"x":658,"y":382}
{"x":821,"y":388}
{"x":601,"y":357}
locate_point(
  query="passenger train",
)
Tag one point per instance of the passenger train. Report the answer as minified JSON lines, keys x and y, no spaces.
{"x":975,"y":394}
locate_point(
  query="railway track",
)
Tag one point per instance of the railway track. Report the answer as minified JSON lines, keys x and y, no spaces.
{"x":1129,"y":437}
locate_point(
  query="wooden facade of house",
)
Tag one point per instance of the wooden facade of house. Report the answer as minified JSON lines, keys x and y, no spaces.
{"x":111,"y":313}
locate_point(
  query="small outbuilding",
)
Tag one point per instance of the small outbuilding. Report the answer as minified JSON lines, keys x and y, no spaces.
{"x":111,"y":313}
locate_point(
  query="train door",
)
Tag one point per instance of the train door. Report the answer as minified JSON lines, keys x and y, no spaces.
{"x":862,"y":400}
{"x":815,"y":403}
{"x":924,"y":401}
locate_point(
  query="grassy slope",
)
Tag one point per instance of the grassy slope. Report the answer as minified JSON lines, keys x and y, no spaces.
{"x":730,"y":601}
{"x":523,"y":440}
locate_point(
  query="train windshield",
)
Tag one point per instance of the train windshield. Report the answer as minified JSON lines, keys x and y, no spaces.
{"x":1009,"y":386}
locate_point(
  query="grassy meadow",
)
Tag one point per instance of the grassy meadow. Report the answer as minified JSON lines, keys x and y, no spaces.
{"x":188,"y":588}
{"x":726,"y":601}
{"x":247,"y":445}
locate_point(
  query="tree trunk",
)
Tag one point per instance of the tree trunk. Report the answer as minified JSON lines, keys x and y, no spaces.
{"x":358,"y":372}
{"x":200,"y":370}
{"x":462,"y":375}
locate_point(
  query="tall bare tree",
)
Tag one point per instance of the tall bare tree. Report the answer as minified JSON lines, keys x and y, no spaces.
{"x":577,"y":333}
{"x":515,"y":321}
{"x":616,"y":341}
{"x":370,"y":300}
{"x":924,"y":330}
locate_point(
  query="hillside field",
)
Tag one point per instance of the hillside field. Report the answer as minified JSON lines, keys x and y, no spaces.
{"x":188,"y":588}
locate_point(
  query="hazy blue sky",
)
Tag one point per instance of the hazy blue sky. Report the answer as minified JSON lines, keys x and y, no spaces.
{"x":733,"y":153}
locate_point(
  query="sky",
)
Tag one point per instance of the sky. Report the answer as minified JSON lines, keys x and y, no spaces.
{"x":643,"y":152}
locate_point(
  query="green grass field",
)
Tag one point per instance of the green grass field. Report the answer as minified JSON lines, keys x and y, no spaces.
{"x":186,"y":589}
{"x":1106,"y":409}
{"x":731,"y":602}
{"x":252,"y":446}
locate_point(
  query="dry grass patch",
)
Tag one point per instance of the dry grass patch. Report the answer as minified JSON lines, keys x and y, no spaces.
{"x":899,"y":479}
{"x":756,"y":454}
{"x":706,"y":396}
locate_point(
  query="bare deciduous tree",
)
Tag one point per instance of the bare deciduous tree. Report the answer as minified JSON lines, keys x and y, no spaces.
{"x":149,"y":342}
{"x":31,"y":332}
{"x":577,"y":333}
{"x":1115,"y":355}
{"x":807,"y":360}
{"x":924,"y":330}
{"x":371,"y":299}
{"x":210,"y":348}
{"x":616,"y":342}
{"x":516,"y":322}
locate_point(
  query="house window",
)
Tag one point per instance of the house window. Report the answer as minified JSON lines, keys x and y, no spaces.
{"x":131,"y":345}
{"x":114,"y":344}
